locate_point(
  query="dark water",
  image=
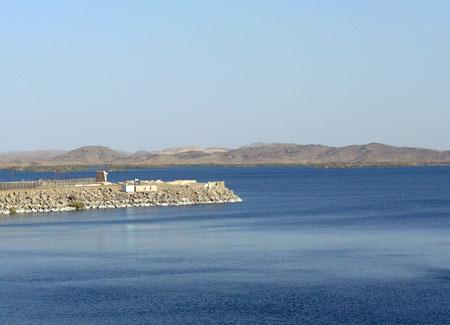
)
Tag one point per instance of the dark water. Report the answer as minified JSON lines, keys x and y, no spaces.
{"x":305,"y":246}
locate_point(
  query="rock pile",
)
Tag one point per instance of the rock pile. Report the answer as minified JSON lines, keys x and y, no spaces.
{"x":111,"y":196}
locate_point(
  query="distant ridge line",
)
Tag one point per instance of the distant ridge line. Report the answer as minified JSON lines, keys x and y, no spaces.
{"x":372,"y":154}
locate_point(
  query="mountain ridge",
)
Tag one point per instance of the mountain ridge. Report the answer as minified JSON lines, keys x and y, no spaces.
{"x":371,"y":154}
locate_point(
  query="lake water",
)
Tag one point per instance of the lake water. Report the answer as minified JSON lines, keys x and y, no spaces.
{"x":369,"y":245}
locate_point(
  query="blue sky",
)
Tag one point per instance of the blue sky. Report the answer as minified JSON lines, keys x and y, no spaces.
{"x":152,"y":74}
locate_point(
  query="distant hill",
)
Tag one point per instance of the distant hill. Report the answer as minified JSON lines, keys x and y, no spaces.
{"x":91,"y":155}
{"x":374,"y":154}
{"x":355,"y":155}
{"x":28,"y":157}
{"x":178,"y":150}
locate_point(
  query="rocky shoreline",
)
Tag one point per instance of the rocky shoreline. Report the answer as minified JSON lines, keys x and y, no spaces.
{"x":112,"y":196}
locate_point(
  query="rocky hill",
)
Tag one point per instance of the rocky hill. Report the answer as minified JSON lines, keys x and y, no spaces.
{"x":355,"y":155}
{"x":91,"y":155}
{"x":373,"y":154}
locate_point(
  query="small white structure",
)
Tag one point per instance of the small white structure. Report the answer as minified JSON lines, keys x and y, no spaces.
{"x":129,"y":188}
{"x":136,"y":187}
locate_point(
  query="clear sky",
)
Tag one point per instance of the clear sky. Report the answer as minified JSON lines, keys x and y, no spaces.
{"x":152,"y":74}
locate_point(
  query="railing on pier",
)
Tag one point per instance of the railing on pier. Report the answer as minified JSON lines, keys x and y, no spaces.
{"x":47,"y":183}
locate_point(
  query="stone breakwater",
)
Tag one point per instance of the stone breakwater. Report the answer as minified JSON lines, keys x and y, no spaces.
{"x":111,"y":196}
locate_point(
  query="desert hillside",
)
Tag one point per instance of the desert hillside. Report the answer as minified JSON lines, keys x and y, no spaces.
{"x":373,"y":154}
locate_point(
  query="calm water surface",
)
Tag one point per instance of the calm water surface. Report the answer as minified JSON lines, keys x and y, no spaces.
{"x":306,"y":246}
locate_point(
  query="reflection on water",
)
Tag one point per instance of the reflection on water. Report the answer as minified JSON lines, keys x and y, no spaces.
{"x":130,"y":229}
{"x":306,"y":245}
